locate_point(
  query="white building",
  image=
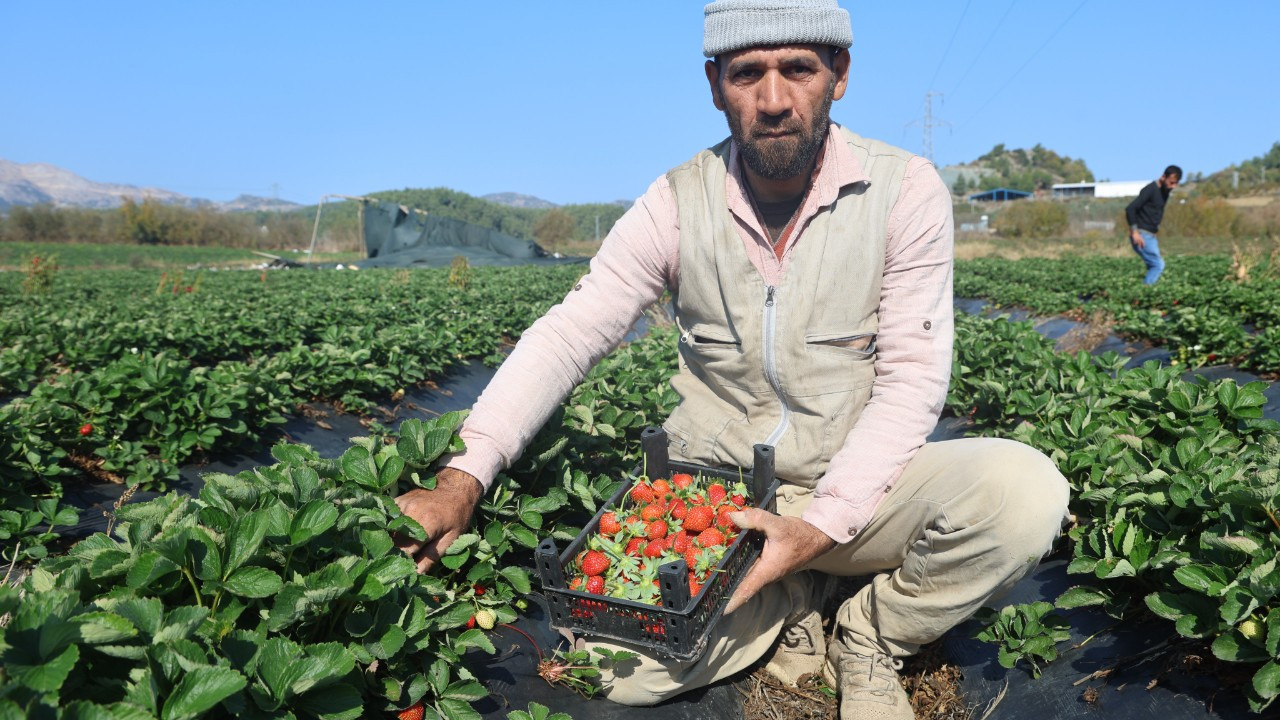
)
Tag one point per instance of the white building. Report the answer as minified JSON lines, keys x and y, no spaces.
{"x":1128,"y":188}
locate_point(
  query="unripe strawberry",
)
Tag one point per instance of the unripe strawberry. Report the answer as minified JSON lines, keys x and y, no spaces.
{"x":485,"y":619}
{"x":1253,"y":629}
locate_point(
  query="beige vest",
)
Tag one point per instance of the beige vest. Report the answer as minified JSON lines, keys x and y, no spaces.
{"x":791,"y":365}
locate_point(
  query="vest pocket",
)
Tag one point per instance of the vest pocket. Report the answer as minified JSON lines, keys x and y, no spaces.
{"x":703,"y":336}
{"x":845,"y":344}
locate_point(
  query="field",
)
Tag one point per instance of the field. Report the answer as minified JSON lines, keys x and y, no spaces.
{"x":277,"y":593}
{"x":113,"y":257}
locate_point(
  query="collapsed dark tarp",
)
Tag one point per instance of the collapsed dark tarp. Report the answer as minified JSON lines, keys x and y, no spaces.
{"x":397,"y":236}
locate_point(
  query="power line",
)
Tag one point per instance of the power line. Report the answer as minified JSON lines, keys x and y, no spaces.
{"x":990,"y":37}
{"x":1025,"y":64}
{"x":949,"y":44}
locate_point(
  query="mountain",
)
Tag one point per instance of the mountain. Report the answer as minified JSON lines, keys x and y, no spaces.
{"x":253,"y":203}
{"x":35,"y":183}
{"x":511,"y":199}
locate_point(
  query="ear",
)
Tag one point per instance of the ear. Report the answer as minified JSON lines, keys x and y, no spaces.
{"x":713,"y":79}
{"x":840,"y":66}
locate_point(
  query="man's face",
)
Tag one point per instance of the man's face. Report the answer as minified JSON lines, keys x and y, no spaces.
{"x":777,"y":101}
{"x":1169,"y":181}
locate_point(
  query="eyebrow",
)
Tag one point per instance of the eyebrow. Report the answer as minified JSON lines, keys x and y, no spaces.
{"x":790,"y":61}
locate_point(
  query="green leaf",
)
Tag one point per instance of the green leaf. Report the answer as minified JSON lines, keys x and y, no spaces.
{"x":199,"y":691}
{"x":518,"y":578}
{"x":357,"y":464}
{"x":1081,"y":596}
{"x":1233,"y":648}
{"x":180,"y":622}
{"x":1198,"y":578}
{"x":246,"y":537}
{"x":97,"y":628}
{"x":466,"y":690}
{"x":254,"y":582}
{"x":48,"y":676}
{"x":474,"y":638}
{"x":315,"y":518}
{"x":335,"y":702}
{"x":459,"y":710}
{"x":1267,"y":680}
{"x":523,"y":535}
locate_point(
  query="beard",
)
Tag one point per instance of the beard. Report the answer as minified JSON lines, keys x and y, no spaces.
{"x":783,"y":158}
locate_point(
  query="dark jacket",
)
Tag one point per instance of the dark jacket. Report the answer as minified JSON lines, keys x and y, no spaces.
{"x":1146,"y":210}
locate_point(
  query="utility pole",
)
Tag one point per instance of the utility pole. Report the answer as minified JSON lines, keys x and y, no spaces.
{"x":929,"y":123}
{"x":597,"y":230}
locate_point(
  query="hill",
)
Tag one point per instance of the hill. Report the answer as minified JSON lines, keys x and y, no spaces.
{"x":1029,"y":170}
{"x":41,"y":183}
{"x":1257,"y":175}
{"x":511,"y":199}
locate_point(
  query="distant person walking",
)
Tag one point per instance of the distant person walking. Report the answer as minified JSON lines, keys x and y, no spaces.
{"x":1144,"y":215}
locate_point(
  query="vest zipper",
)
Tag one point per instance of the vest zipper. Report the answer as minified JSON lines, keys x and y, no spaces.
{"x":771,"y":365}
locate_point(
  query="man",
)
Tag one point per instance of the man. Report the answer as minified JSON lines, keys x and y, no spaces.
{"x":1144,"y":215}
{"x":811,"y":276}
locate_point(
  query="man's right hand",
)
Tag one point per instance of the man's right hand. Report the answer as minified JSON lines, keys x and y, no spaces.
{"x":444,"y":513}
{"x":1136,"y":237}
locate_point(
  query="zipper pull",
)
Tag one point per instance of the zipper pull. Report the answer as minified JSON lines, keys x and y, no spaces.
{"x":768,"y":300}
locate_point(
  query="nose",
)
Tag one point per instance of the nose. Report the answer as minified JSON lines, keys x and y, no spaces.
{"x":773,"y":98}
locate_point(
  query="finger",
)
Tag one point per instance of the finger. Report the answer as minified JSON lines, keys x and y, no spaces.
{"x":747,"y":589}
{"x":752,"y":519}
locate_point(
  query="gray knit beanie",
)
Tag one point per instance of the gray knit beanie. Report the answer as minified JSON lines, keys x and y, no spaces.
{"x":736,"y":24}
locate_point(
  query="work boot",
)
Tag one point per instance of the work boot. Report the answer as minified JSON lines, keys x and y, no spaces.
{"x":802,"y":644}
{"x":868,"y":684}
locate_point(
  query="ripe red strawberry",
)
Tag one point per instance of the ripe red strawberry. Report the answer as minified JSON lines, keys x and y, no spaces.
{"x":413,"y":712}
{"x":660,"y":487}
{"x":738,"y":499}
{"x":471,"y":622}
{"x":716,"y":493}
{"x":677,"y":508}
{"x":635,"y":546}
{"x":653,"y":511}
{"x":575,"y":584}
{"x":642,"y":494}
{"x":655,"y":548}
{"x":609,"y":525}
{"x":681,"y":542}
{"x":694,"y":585}
{"x":723,"y":521}
{"x":710,"y":538}
{"x":681,"y":480}
{"x":699,"y":518}
{"x":656,"y":530}
{"x":478,"y":589}
{"x":595,"y":585}
{"x":85,"y":429}
{"x":594,"y":563}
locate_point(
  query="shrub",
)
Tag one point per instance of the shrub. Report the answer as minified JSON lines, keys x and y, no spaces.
{"x":1032,"y":218}
{"x":1200,"y":217}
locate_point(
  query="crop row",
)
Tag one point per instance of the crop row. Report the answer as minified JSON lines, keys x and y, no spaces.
{"x":1202,"y":308}
{"x":1175,"y":485}
{"x":124,"y":376}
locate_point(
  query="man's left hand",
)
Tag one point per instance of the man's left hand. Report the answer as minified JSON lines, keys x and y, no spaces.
{"x":789,"y":544}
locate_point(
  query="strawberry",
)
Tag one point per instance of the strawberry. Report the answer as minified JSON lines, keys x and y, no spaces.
{"x":594,"y":563}
{"x":642,"y":494}
{"x":723,"y":521}
{"x":677,"y":508}
{"x":609,"y":525}
{"x":656,"y":530}
{"x":681,"y":480}
{"x":574,"y":584}
{"x":738,"y":499}
{"x":595,"y":585}
{"x":681,"y":542}
{"x":660,"y":488}
{"x":478,"y":589}
{"x":694,"y":585}
{"x":710,"y":538}
{"x":699,"y":518}
{"x":485,"y":619}
{"x":653,"y":511}
{"x":413,"y":712}
{"x":471,"y":622}
{"x":655,"y":548}
{"x":85,"y":429}
{"x":716,"y":493}
{"x":635,"y":547}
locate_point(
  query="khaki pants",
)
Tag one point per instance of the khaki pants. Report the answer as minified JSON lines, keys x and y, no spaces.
{"x":966,"y":520}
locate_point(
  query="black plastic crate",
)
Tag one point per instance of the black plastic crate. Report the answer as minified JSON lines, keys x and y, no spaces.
{"x":678,"y":627}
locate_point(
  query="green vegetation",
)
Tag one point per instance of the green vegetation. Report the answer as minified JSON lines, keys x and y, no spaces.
{"x":1029,"y":170}
{"x":1032,"y":219}
{"x":1175,"y":491}
{"x":16,"y":255}
{"x":1257,"y":174}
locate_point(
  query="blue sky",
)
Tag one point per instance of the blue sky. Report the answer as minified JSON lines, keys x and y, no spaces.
{"x":590,"y":101}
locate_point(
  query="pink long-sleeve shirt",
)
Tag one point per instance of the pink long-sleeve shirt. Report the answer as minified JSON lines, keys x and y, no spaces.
{"x":640,"y":259}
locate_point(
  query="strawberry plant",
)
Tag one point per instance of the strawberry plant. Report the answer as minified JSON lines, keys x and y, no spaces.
{"x":275,"y":593}
{"x":1027,"y":632}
